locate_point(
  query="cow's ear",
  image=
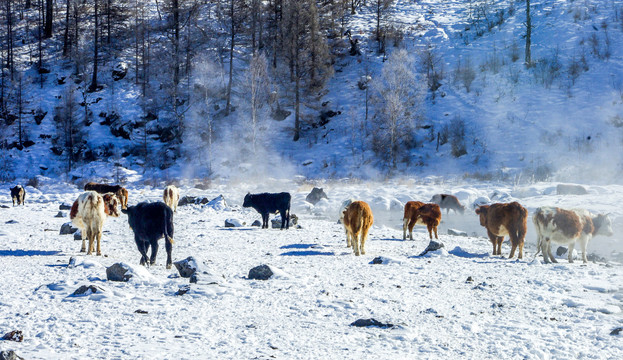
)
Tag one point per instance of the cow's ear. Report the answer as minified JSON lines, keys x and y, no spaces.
{"x":478,"y":210}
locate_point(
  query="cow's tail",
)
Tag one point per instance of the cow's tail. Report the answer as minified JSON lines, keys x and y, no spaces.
{"x":168,"y":225}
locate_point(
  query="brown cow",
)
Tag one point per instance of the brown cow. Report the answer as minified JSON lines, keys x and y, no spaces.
{"x":357,"y":221}
{"x":504,"y":219}
{"x":418,"y":213}
{"x":448,"y":202}
{"x":121,"y":192}
{"x":88,"y":213}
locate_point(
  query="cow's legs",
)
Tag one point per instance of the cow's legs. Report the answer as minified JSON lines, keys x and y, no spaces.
{"x":154,"y":251}
{"x":99,"y":239}
{"x":549,"y":251}
{"x":264,"y":221}
{"x":435,"y":230}
{"x":570,"y":252}
{"x":91,"y":239}
{"x":356,"y":242}
{"x":142,"y":248}
{"x":411,"y":225}
{"x":169,"y":248}
{"x":84,"y":235}
{"x":405,"y":224}
{"x":349,"y":241}
{"x":583,"y":245}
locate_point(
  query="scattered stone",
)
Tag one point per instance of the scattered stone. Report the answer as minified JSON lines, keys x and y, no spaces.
{"x":469,"y":279}
{"x":9,"y":355}
{"x":87,"y":290}
{"x":596,"y":258}
{"x":565,"y":189}
{"x":257,"y":223}
{"x":371,"y":322}
{"x":232,"y":223}
{"x":78,"y":235}
{"x":12,"y":222}
{"x":183,"y":290}
{"x":561,"y":251}
{"x":139,"y":311}
{"x":203,"y":201}
{"x":262,"y":272}
{"x":4,"y":206}
{"x":276,"y":222}
{"x":432,"y":246}
{"x":377,"y":260}
{"x":118,"y":272}
{"x":60,"y":214}
{"x":186,"y":200}
{"x":457,"y":232}
{"x":67,"y":229}
{"x":616,"y":331}
{"x":316,"y":195}
{"x":218,"y":203}
{"x":64,"y":206}
{"x":186,"y":267}
{"x":72,"y":262}
{"x":15,"y":335}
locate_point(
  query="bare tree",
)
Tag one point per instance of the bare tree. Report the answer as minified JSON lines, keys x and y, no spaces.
{"x":94,"y":86}
{"x":49,"y":18}
{"x":259,"y":92}
{"x":528,"y":24}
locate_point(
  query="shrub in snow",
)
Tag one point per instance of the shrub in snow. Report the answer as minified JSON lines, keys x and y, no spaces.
{"x":262,"y":272}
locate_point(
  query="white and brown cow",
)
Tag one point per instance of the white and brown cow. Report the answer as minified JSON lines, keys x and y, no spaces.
{"x":357,"y":222}
{"x":504,"y":219}
{"x":448,"y":202}
{"x":89,"y":212}
{"x":566,"y":227}
{"x":418,"y":213}
{"x":171,"y":196}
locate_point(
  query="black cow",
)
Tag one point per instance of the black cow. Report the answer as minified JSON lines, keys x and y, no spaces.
{"x":266,"y":203}
{"x":151,"y":222}
{"x":18,"y":194}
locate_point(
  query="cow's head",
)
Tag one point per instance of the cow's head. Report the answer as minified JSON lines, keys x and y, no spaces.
{"x":248,"y":200}
{"x":131,"y":212}
{"x":603,"y":225}
{"x":111,"y":204}
{"x":482,"y":212}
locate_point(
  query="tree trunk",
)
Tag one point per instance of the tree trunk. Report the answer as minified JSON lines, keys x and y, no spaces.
{"x":176,"y":45}
{"x":297,"y":91}
{"x":528,"y":59}
{"x":66,"y":35}
{"x":49,"y":17}
{"x":9,"y":37}
{"x":231,"y":58}
{"x":93,"y":86}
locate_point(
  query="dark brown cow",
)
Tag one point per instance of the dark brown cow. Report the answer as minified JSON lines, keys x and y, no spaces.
{"x":357,"y":222}
{"x":18,"y":194}
{"x":121,"y":192}
{"x":448,"y":202}
{"x":504,"y":219}
{"x":418,"y":213}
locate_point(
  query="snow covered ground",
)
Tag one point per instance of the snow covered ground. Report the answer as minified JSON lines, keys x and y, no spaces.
{"x":511,"y":309}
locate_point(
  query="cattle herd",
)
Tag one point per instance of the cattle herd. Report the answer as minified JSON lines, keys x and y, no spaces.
{"x":153,"y":221}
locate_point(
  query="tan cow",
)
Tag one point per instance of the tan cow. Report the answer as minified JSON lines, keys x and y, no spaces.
{"x":504,"y":219}
{"x":171,"y":196}
{"x":357,"y":222}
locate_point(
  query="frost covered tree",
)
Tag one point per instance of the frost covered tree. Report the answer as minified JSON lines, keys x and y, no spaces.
{"x":399,"y":107}
{"x":258,"y":88}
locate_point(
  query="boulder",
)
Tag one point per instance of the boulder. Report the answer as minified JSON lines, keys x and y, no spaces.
{"x":218,"y":203}
{"x":72,"y":262}
{"x":616,"y":331}
{"x":60,"y":214}
{"x":232,"y":223}
{"x":257,"y":223}
{"x":15,"y":335}
{"x":64,"y":206}
{"x":87,"y":290}
{"x":371,"y":322}
{"x":432,"y":246}
{"x":12,"y":222}
{"x":186,"y":267}
{"x":183,"y":290}
{"x":78,"y":235}
{"x":67,"y":229}
{"x":457,"y":232}
{"x":9,"y":355}
{"x":315,"y":195}
{"x":566,"y":189}
{"x":118,"y":272}
{"x":262,"y":272}
{"x":276,"y":222}
{"x":186,"y":200}
{"x":377,"y":260}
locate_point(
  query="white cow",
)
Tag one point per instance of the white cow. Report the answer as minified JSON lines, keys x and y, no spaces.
{"x":566,"y":227}
{"x":171,"y":196}
{"x":89,"y":212}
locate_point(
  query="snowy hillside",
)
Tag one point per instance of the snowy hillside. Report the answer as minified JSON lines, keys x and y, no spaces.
{"x":459,"y":301}
{"x":477,"y":110}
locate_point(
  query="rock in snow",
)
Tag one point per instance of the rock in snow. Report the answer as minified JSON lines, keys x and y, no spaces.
{"x":262,"y":272}
{"x":315,"y":195}
{"x":371,"y":322}
{"x":67,"y":229}
{"x":457,"y":232}
{"x":232,"y":223}
{"x":87,"y":290}
{"x":186,"y":267}
{"x":432,"y":246}
{"x":9,"y":355}
{"x":15,"y":335}
{"x":257,"y":223}
{"x":118,"y":272}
